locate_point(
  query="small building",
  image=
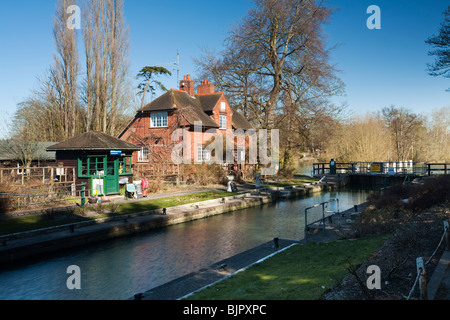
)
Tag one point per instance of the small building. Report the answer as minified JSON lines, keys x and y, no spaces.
{"x":13,"y":154}
{"x":103,"y":162}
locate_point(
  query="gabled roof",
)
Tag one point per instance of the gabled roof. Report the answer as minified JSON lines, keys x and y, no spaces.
{"x":192,"y":108}
{"x":209,"y":101}
{"x":92,"y":141}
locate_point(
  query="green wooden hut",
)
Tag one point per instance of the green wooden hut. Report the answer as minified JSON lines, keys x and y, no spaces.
{"x":102,"y":161}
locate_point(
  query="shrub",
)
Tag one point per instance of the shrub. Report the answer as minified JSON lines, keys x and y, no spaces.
{"x":420,"y":195}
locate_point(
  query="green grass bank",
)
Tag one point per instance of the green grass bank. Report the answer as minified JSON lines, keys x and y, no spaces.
{"x":302,"y":272}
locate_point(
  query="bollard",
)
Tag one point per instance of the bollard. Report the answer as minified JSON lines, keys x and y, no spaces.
{"x":164,"y":211}
{"x":356,"y":207}
{"x":276,"y":244}
{"x":422,"y":278}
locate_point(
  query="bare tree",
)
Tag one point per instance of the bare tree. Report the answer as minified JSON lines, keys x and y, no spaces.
{"x":64,"y":73}
{"x":269,"y":44}
{"x":438,"y":135}
{"x":406,"y":130}
{"x":106,"y":48}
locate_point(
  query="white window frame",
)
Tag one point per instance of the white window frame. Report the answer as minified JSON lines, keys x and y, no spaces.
{"x":141,"y":155}
{"x":203,"y":154}
{"x":240,"y":156}
{"x":159,"y":120}
{"x":223,"y":107}
{"x":22,"y":170}
{"x":223,"y":122}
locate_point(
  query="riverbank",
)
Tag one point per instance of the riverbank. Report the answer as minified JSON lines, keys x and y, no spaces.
{"x":232,"y":278}
{"x":187,"y":286}
{"x":20,"y":246}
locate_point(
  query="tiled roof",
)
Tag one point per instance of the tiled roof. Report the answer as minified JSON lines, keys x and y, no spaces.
{"x":190,"y":107}
{"x":193,"y":108}
{"x":239,"y":122}
{"x":93,"y":140}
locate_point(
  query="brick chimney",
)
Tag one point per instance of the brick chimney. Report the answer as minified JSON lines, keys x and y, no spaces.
{"x":206,"y":88}
{"x":188,"y":85}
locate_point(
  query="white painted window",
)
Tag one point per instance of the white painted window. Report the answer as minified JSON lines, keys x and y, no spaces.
{"x":240,"y":155}
{"x":159,"y":120}
{"x":143,"y":155}
{"x":203,"y":154}
{"x":223,"y":122}
{"x":223,"y":107}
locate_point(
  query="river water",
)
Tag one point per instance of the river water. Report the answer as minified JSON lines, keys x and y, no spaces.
{"x":119,"y":268}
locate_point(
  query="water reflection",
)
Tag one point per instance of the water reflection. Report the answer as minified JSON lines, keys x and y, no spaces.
{"x":117,"y":269}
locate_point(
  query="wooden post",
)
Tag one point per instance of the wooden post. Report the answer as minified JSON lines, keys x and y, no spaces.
{"x":83,"y":194}
{"x":447,"y":234}
{"x":422,"y":278}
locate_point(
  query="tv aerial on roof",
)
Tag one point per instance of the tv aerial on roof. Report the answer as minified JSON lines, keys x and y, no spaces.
{"x":177,"y":64}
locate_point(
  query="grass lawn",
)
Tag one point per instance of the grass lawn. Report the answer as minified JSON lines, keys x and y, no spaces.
{"x":168,"y":202}
{"x":303,"y":272}
{"x":28,"y":223}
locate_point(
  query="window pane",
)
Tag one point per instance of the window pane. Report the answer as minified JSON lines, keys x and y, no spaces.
{"x":159,"y":120}
{"x":143,"y":154}
{"x":92,"y":166}
{"x":223,"y":122}
{"x":84,"y":167}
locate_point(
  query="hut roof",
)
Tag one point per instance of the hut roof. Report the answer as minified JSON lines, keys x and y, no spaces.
{"x":93,"y":140}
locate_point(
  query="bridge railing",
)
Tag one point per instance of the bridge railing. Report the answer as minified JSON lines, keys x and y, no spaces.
{"x":389,"y":168}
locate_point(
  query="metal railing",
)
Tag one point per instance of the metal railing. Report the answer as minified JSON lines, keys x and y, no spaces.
{"x":325,"y":215}
{"x":389,"y":168}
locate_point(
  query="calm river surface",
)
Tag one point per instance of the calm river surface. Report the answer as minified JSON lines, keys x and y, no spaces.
{"x":119,"y":268}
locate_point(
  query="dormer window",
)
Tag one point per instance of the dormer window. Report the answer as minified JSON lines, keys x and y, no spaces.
{"x":158,"y":120}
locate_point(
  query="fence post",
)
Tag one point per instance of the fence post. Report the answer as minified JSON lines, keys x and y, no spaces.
{"x":83,"y":194}
{"x":422,"y":278}
{"x":447,"y":234}
{"x":306,"y":225}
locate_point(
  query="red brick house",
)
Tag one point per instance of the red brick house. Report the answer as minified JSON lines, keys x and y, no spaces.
{"x":153,"y":125}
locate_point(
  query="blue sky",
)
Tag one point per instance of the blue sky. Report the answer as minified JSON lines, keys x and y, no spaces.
{"x":379,"y":67}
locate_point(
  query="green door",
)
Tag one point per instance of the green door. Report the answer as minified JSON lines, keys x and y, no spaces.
{"x":112,"y":176}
